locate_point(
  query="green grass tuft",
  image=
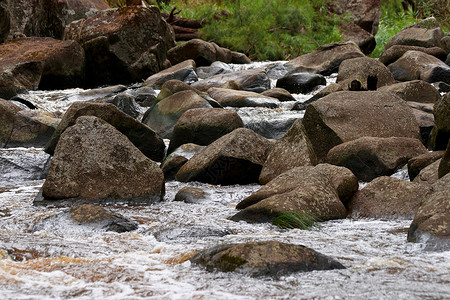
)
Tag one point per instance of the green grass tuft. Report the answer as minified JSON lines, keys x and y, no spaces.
{"x":296,"y":219}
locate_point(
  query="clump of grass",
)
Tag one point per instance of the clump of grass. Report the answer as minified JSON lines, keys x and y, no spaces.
{"x":296,"y":219}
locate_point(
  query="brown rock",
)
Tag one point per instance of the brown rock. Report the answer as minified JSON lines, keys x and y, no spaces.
{"x":417,"y":163}
{"x":441,"y":131}
{"x":5,"y":24}
{"x":364,"y":39}
{"x":202,"y":52}
{"x":444,"y":166}
{"x":395,"y":52}
{"x":279,"y":93}
{"x":8,"y":113}
{"x":184,"y":71}
{"x":235,"y":98}
{"x":429,"y":174}
{"x":365,"y":13}
{"x":414,"y":91}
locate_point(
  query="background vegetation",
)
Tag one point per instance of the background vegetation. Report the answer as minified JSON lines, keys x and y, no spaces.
{"x":284,"y":29}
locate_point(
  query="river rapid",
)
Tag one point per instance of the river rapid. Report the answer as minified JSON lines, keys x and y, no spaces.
{"x":64,"y":261}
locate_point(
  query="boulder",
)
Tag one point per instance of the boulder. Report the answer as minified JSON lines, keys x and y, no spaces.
{"x":122,"y":45}
{"x":429,"y":174}
{"x":441,"y":131}
{"x":44,"y":63}
{"x":319,"y":191}
{"x":94,"y":162}
{"x":215,"y":68}
{"x":235,"y":158}
{"x":365,"y":40}
{"x":444,"y":165}
{"x":426,"y":33}
{"x":48,"y":18}
{"x":414,"y":91}
{"x":365,"y":13}
{"x":184,"y":71}
{"x":423,"y":112}
{"x":143,"y":137}
{"x":280,"y":94}
{"x":326,"y":59}
{"x":370,"y":157}
{"x":173,"y":86}
{"x":269,"y":258}
{"x":239,"y":58}
{"x":202,"y":52}
{"x":8,"y":111}
{"x":202,"y":126}
{"x":388,"y":197}
{"x":395,"y":52}
{"x":368,"y":71}
{"x":292,"y":150}
{"x":431,"y":224}
{"x":417,"y":163}
{"x":127,"y":104}
{"x":5,"y":24}
{"x":301,"y":83}
{"x":191,"y":195}
{"x":175,"y":160}
{"x":235,"y":98}
{"x":87,"y":218}
{"x":253,"y":80}
{"x":418,"y":65}
{"x":22,"y":164}
{"x":164,"y":115}
{"x":345,"y":116}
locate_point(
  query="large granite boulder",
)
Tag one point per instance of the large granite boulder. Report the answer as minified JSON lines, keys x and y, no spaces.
{"x":431,"y":224}
{"x":143,"y":137}
{"x":371,"y":73}
{"x":269,"y":258}
{"x":184,"y":71}
{"x":370,"y":157}
{"x":237,"y":98}
{"x":345,"y":116}
{"x":122,"y":45}
{"x":320,"y":191}
{"x":414,"y":91}
{"x":44,"y":63}
{"x":94,"y":162}
{"x":388,"y":197}
{"x":325,"y":59}
{"x":441,"y":131}
{"x":202,"y":126}
{"x":418,"y":65}
{"x":253,"y":80}
{"x":292,"y":150}
{"x":164,"y":115}
{"x":395,"y":52}
{"x":235,"y":158}
{"x":48,"y":18}
{"x":365,"y":40}
{"x":365,"y":13}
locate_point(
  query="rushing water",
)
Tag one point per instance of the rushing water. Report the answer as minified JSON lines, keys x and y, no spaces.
{"x":152,"y":262}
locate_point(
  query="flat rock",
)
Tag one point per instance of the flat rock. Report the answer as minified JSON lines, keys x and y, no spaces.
{"x":234,"y":98}
{"x":414,"y":91}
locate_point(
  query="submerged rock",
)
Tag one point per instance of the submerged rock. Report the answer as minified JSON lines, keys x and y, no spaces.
{"x":190,"y":233}
{"x":23,"y":164}
{"x":191,"y":195}
{"x":270,"y":258}
{"x":94,"y":162}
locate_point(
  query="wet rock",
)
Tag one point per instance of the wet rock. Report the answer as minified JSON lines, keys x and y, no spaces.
{"x":122,"y":45}
{"x":190,"y":233}
{"x":444,"y":165}
{"x":8,"y":113}
{"x":49,"y":17}
{"x":235,"y":158}
{"x":417,"y":163}
{"x":441,"y":131}
{"x":426,"y":33}
{"x":184,"y":71}
{"x":164,"y":115}
{"x":415,"y":91}
{"x":371,"y":73}
{"x":202,"y":126}
{"x":94,"y":162}
{"x":279,"y":93}
{"x":23,"y":164}
{"x":292,"y":150}
{"x":144,"y":96}
{"x":234,"y":98}
{"x":418,"y":65}
{"x":388,"y":197}
{"x":143,"y":137}
{"x":202,"y":52}
{"x":269,"y":258}
{"x":431,"y":224}
{"x":370,"y":157}
{"x":127,"y":104}
{"x":86,"y":218}
{"x":174,"y":86}
{"x":442,"y":87}
{"x":326,"y":59}
{"x":301,"y":83}
{"x":253,"y":80}
{"x":345,"y":116}
{"x":173,"y":162}
{"x":215,"y":68}
{"x":191,"y":195}
{"x":320,"y":191}
{"x":98,"y":94}
{"x":44,"y":63}
{"x":395,"y":52}
{"x":429,"y":174}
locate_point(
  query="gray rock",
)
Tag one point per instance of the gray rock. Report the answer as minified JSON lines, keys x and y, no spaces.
{"x":301,"y":83}
{"x":184,"y":71}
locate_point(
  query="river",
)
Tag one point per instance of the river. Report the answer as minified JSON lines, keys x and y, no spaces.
{"x":70,"y":262}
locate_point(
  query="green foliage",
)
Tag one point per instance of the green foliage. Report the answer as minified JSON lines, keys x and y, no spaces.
{"x":292,"y":220}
